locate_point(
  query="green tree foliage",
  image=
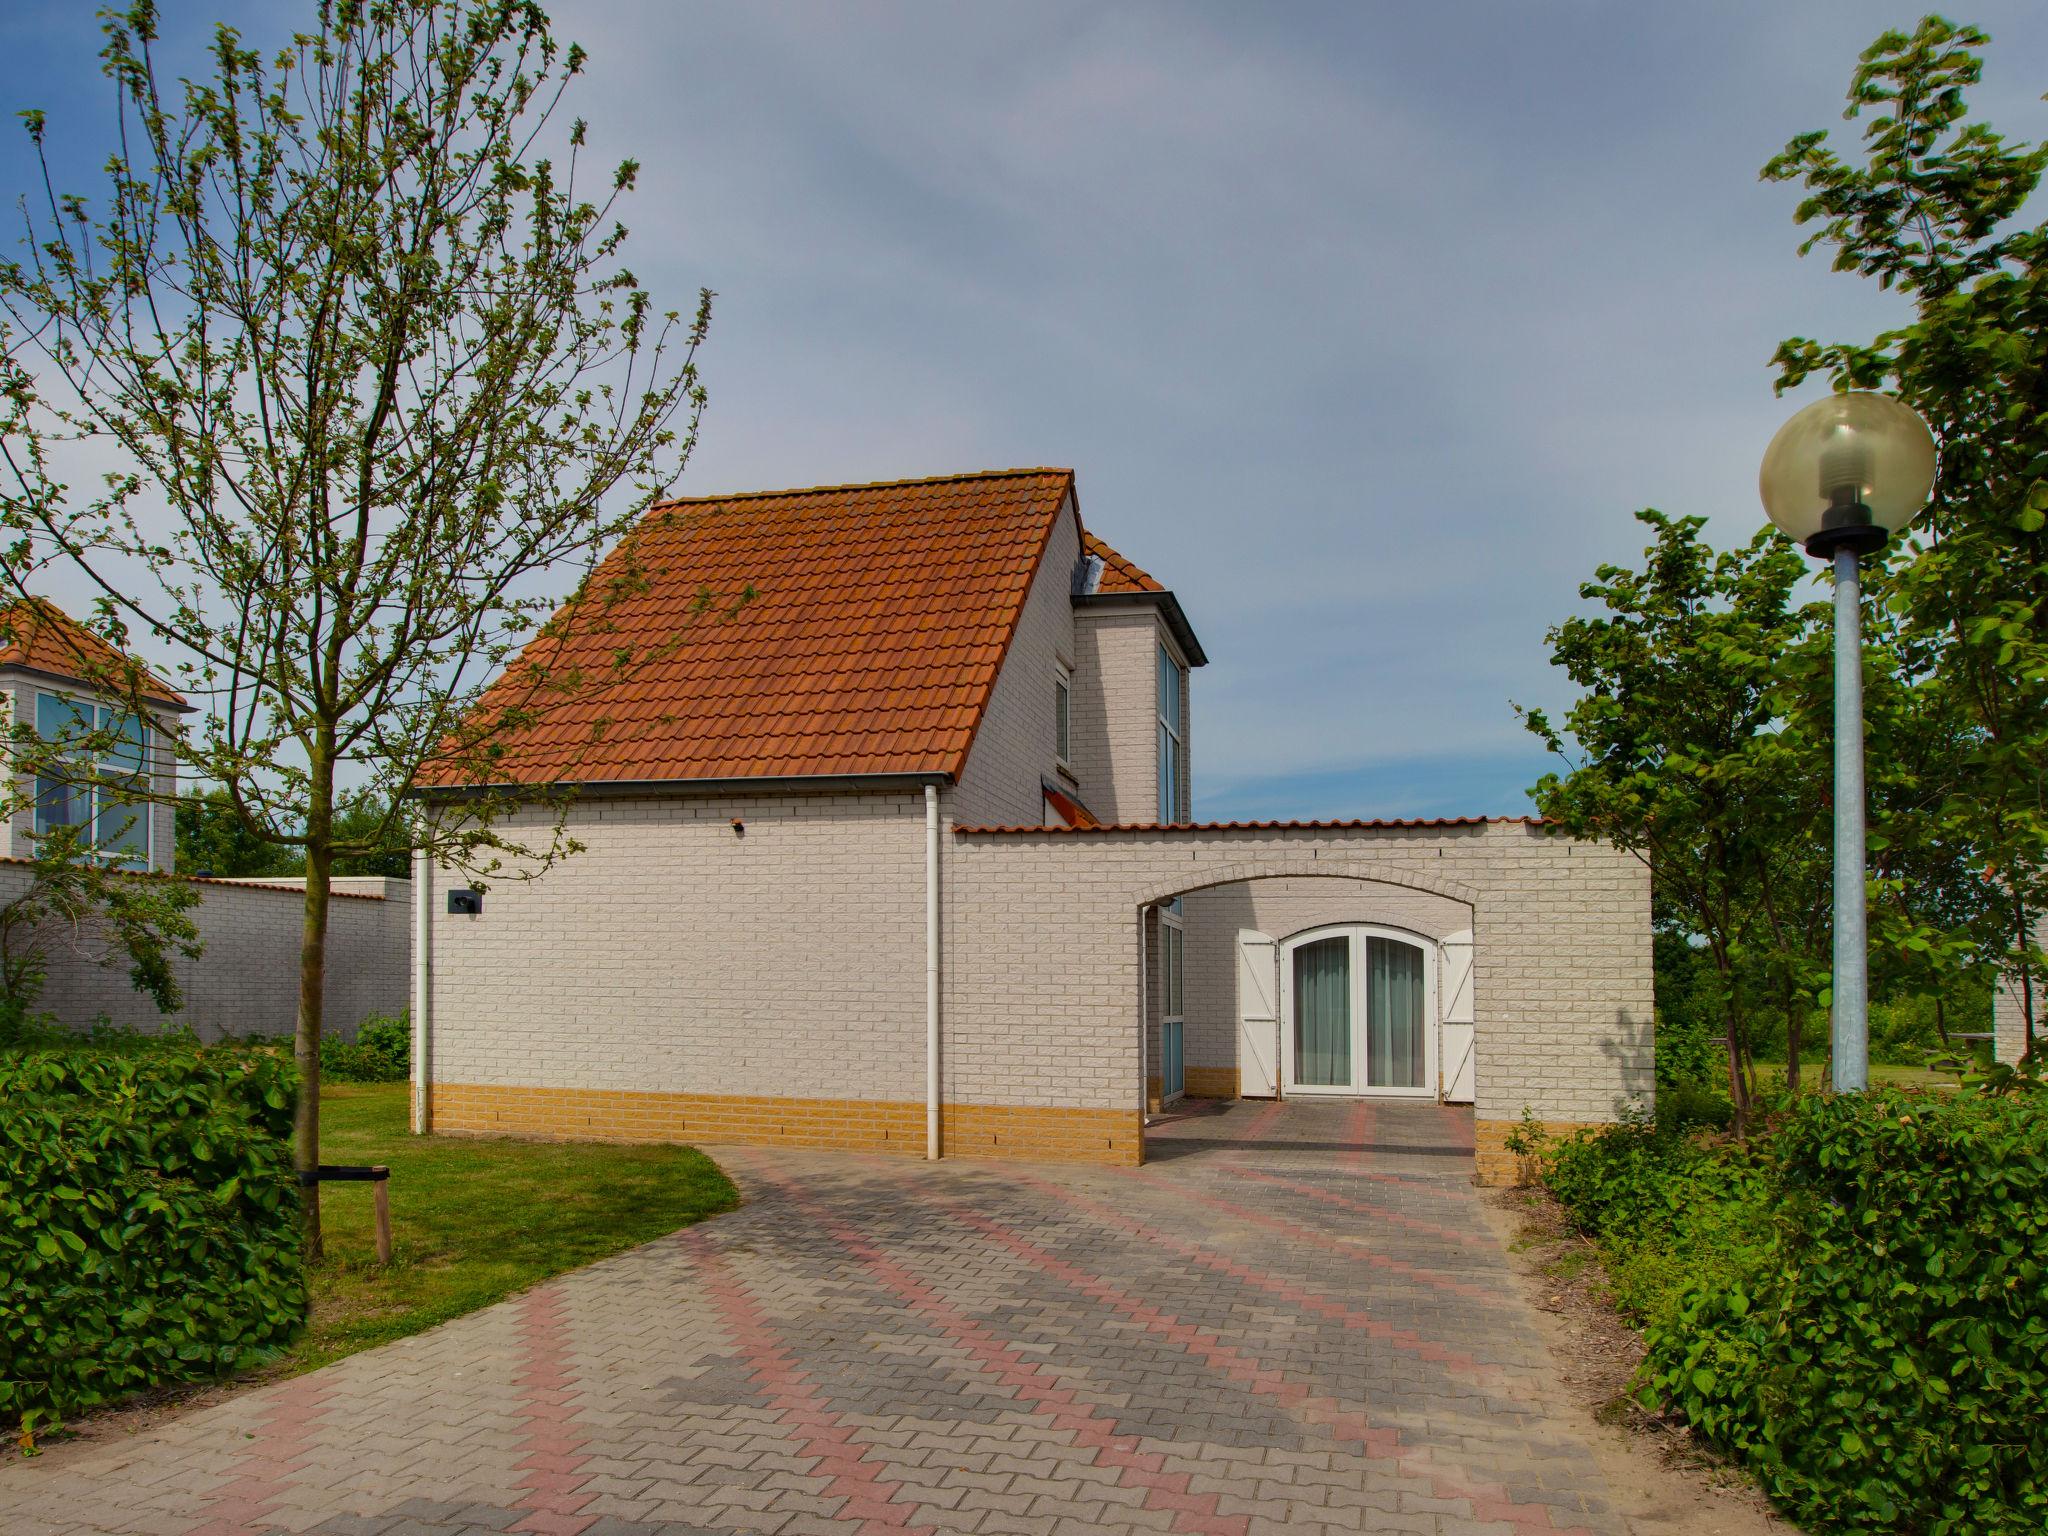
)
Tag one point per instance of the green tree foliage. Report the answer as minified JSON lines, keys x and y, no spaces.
{"x":1677,"y":753}
{"x":153,"y":1222}
{"x":357,"y":326}
{"x":1930,"y":207}
{"x":214,"y":840}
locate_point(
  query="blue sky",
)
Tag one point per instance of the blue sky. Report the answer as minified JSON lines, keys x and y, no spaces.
{"x":1365,"y":327}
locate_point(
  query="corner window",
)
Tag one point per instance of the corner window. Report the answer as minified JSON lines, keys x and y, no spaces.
{"x":116,"y":753}
{"x":1173,"y":736}
{"x":1062,"y":717}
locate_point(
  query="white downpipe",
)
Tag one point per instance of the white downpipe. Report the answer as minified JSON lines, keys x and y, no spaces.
{"x":931,"y":972}
{"x":422,"y":989}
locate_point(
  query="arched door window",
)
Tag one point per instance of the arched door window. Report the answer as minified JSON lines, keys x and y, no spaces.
{"x":1358,"y":1012}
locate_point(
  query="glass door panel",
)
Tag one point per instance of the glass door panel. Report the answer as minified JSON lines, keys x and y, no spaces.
{"x":1322,"y":1014}
{"x":1394,"y":1014}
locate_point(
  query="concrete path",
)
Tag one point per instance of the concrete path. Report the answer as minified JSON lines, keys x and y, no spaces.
{"x":1295,"y":1318}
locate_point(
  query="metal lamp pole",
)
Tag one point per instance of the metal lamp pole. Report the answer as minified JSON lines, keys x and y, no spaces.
{"x":1852,"y":945}
{"x":1841,"y":477}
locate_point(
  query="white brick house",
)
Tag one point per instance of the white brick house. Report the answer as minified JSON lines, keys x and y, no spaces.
{"x":900,"y":857}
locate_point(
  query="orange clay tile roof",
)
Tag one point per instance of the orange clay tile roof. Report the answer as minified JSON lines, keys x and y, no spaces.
{"x":880,"y":616}
{"x":1118,"y":574}
{"x":35,"y":633}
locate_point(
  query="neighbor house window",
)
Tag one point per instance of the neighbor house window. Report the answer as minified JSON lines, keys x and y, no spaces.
{"x":117,"y":824}
{"x":1062,"y":717}
{"x":1173,"y":737}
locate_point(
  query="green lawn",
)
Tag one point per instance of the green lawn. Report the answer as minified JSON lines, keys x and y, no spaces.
{"x":1813,"y":1072}
{"x":474,"y":1219}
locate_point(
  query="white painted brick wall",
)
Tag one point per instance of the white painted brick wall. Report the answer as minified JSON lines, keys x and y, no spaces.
{"x":1016,"y":747}
{"x":1042,"y":945}
{"x":247,"y":979}
{"x":1116,"y":715}
{"x":676,"y":955}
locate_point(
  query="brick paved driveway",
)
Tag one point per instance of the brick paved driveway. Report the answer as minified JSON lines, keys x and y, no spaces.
{"x":1293,"y":1319}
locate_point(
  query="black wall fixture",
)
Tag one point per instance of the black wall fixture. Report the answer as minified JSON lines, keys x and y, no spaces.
{"x":467,"y":903}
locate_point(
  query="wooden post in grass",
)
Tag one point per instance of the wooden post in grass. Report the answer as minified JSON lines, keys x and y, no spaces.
{"x":378,"y":1177}
{"x":382,"y":1193}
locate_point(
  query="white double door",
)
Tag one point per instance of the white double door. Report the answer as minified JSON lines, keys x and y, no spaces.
{"x":1358,"y":1013}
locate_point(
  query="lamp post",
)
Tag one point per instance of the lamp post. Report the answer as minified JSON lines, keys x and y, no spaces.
{"x":1841,"y":477}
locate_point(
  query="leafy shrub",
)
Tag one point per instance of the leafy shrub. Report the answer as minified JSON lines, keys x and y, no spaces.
{"x":1685,"y":1105}
{"x":380,"y":1053}
{"x":151,"y":1221}
{"x":1666,"y":1207}
{"x":1881,"y":1361}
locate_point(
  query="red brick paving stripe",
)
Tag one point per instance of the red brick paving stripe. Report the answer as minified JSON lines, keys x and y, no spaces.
{"x":551,"y":1472}
{"x":284,"y":1438}
{"x":1163,"y":1490}
{"x":1360,"y":1131}
{"x":1363,"y":1207}
{"x":820,"y":1431}
{"x":1261,"y":1122}
{"x":1309,"y":1301}
{"x":1490,"y":1501}
{"x":1350,"y":1250}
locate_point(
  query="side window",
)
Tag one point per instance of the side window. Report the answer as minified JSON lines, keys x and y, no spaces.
{"x":1062,"y":716}
{"x":1173,"y":796}
{"x":106,"y":745}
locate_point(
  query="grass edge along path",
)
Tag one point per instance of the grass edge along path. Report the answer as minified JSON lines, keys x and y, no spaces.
{"x":476,"y":1219}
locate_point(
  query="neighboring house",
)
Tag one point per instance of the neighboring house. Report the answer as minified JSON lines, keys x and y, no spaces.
{"x":54,"y":681}
{"x":2009,"y":1012}
{"x":901,"y":858}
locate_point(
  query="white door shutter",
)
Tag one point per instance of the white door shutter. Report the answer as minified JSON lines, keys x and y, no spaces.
{"x":1258,"y":1015}
{"x":1458,"y":1026}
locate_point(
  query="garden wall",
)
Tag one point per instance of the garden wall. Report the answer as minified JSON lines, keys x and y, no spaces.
{"x":246,"y":981}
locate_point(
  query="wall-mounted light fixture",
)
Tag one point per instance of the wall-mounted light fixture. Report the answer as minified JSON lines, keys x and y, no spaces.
{"x":466,"y":903}
{"x":739,"y":827}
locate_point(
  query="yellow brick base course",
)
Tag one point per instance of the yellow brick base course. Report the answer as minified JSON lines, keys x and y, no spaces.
{"x":856,"y":1125}
{"x":1211,"y":1082}
{"x":1493,"y":1163}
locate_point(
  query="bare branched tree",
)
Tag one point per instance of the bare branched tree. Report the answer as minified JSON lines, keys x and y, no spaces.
{"x":379,"y":392}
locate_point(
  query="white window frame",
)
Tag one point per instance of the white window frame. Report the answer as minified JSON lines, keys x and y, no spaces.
{"x":1432,"y":1022}
{"x":1063,"y":715}
{"x":1173,"y":1003}
{"x":82,"y":704}
{"x":1172,"y":766}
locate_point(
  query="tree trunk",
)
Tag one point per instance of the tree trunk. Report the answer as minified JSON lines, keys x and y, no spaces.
{"x":312,"y":994}
{"x":1738,"y":1083}
{"x":1940,"y":1016}
{"x":1795,"y":1040}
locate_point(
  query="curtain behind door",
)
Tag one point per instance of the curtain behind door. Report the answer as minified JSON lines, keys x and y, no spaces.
{"x":1322,"y":1013}
{"x":1393,"y":1013}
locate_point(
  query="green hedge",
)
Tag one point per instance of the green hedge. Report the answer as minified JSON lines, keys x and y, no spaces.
{"x":380,"y":1053}
{"x":1881,"y":1358}
{"x":149,"y":1222}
